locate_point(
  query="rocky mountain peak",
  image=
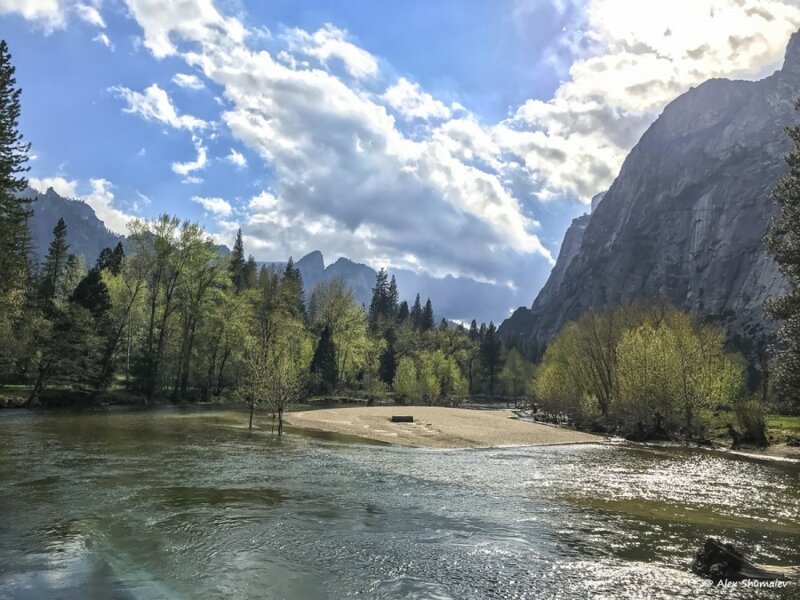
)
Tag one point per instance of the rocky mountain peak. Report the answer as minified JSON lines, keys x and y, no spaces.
{"x":791,"y":63}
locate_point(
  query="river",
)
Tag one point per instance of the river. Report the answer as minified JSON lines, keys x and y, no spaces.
{"x":185,"y":503}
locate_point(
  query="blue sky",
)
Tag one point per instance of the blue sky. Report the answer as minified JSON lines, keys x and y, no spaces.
{"x":451,"y":137}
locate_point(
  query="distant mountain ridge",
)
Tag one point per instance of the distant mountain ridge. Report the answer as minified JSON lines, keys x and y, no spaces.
{"x":453,"y":297}
{"x":686,"y":217}
{"x":87,"y":234}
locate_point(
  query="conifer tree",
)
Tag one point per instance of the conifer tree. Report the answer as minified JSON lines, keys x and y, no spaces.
{"x":784,"y":244}
{"x":402,"y":313}
{"x":473,"y":330}
{"x":55,"y":266}
{"x":14,"y":214}
{"x":427,"y":321}
{"x":237,"y":264}
{"x":491,"y":350}
{"x":292,"y":293}
{"x":416,"y":314}
{"x":323,"y":365}
{"x":378,"y":306}
{"x":250,"y":273}
{"x":111,"y":260}
{"x":394,"y":299}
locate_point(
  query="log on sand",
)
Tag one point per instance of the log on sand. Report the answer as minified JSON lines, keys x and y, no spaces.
{"x":402,"y":419}
{"x":723,"y":562}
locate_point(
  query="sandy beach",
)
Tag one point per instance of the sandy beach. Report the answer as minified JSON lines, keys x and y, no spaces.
{"x":436,"y":427}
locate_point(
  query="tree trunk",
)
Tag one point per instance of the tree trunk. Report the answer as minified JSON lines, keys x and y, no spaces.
{"x":280,"y":421}
{"x":252,"y":408}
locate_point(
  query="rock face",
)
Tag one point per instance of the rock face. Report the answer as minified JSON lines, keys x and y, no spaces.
{"x":86,"y":234}
{"x":686,"y":217}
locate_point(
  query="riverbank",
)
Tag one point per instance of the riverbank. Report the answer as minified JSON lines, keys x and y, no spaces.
{"x":437,"y":427}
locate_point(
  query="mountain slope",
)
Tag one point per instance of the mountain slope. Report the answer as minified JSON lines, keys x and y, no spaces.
{"x":686,"y":217}
{"x":86,"y":234}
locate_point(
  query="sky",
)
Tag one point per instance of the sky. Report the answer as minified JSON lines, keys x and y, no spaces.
{"x":454,"y":137}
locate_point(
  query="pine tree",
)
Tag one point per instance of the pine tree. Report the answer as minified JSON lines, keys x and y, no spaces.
{"x":250,"y":273}
{"x":14,"y":214}
{"x":292,"y":293}
{"x":55,"y":266}
{"x":402,"y":313}
{"x":784,"y":244}
{"x":237,"y":264}
{"x":111,"y":260}
{"x":416,"y":314}
{"x":393,"y":299}
{"x":323,"y":365}
{"x":427,"y":322}
{"x":379,"y":304}
{"x":473,"y":330}
{"x":491,"y":351}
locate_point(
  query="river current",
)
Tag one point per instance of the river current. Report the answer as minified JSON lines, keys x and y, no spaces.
{"x":186,"y":503}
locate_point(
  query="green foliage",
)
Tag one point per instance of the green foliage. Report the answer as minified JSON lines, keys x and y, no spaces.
{"x":784,"y":244}
{"x":516,"y":375}
{"x":324,"y":365}
{"x":630,"y":364}
{"x":491,"y":356}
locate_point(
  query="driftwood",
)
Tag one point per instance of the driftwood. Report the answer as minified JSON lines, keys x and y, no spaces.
{"x":402,"y":419}
{"x":723,"y":562}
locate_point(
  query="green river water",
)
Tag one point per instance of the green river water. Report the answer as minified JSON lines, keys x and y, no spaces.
{"x":185,"y":503}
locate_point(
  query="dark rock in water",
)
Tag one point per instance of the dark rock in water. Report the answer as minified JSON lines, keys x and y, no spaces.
{"x":685,"y":219}
{"x":723,"y":562}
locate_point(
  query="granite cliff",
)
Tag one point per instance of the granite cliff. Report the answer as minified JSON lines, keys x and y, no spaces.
{"x":686,"y":217}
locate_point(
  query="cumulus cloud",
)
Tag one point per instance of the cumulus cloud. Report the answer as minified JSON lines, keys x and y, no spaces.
{"x":236,"y":158}
{"x":62,"y":186}
{"x":330,"y":42}
{"x":407,"y":98}
{"x":100,"y":197}
{"x":215,"y":206}
{"x":90,"y":14}
{"x":154,"y":104}
{"x":49,"y":14}
{"x":188,"y":81}
{"x":184,"y":168}
{"x":631,"y":58}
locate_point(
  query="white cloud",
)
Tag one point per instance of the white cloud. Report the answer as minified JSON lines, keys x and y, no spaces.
{"x":195,"y":165}
{"x":90,"y":14}
{"x":631,"y":59}
{"x":102,"y":38}
{"x":100,"y":198}
{"x":188,"y":81}
{"x":154,"y":104}
{"x":409,"y":100}
{"x":237,"y":158}
{"x":330,"y":42}
{"x":216,"y":206}
{"x":62,"y":186}
{"x":49,"y":14}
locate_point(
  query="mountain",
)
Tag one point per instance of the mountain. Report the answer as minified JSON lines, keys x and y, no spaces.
{"x":686,"y":217}
{"x":87,"y":235}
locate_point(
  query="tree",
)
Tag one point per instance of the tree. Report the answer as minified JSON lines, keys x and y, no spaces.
{"x":51,"y":285}
{"x":324,"y":365}
{"x":516,"y":374}
{"x":402,"y":313}
{"x":416,"y":314}
{"x":784,"y":244}
{"x":14,"y":214}
{"x":405,"y":379}
{"x":237,"y":264}
{"x":491,"y":354}
{"x":379,"y":305}
{"x":111,"y":260}
{"x":250,"y":273}
{"x":427,"y":321}
{"x":291,"y":290}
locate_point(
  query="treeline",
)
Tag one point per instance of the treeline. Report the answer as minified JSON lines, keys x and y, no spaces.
{"x":175,"y":319}
{"x":646,"y":371}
